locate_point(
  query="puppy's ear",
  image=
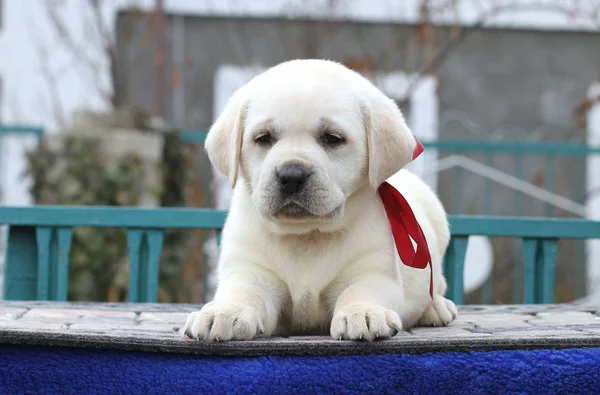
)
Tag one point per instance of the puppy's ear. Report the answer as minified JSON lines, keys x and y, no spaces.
{"x":390,"y":142}
{"x":224,"y":140}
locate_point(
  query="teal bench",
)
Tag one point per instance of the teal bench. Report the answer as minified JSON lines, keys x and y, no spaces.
{"x":39,"y":240}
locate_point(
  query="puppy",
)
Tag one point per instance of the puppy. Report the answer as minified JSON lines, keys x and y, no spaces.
{"x":307,"y":247}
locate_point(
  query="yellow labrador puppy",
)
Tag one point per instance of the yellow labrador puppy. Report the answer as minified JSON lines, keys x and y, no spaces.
{"x":307,"y":246}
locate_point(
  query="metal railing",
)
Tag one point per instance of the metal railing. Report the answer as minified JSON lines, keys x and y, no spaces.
{"x":21,"y":129}
{"x":39,"y":241}
{"x":512,"y":166}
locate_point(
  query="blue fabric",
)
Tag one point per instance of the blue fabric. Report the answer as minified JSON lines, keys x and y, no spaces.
{"x":85,"y":371}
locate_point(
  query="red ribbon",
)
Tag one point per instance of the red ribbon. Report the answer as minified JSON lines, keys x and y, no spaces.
{"x":418,"y":149}
{"x":405,"y":226}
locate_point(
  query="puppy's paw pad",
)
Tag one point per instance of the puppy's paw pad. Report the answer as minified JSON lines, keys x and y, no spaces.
{"x":365,"y":321}
{"x":441,"y":312}
{"x":221,"y":322}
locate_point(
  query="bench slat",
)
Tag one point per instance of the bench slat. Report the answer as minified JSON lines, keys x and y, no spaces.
{"x":53,"y":248}
{"x":549,"y":252}
{"x":144,"y":247}
{"x":454,"y":262}
{"x":540,"y":261}
{"x":20,"y":275}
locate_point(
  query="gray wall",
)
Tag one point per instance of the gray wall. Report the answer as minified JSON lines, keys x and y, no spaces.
{"x":496,"y":76}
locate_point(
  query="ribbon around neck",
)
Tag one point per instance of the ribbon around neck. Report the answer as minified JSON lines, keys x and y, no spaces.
{"x":405,"y":226}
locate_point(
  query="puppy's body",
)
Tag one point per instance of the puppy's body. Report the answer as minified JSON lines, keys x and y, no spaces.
{"x":319,"y":257}
{"x":306,"y":273}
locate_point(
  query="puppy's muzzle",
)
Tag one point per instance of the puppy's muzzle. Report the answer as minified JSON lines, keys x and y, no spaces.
{"x":292,"y":178}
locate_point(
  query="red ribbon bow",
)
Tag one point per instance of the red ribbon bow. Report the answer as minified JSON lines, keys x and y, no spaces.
{"x":406,"y":227}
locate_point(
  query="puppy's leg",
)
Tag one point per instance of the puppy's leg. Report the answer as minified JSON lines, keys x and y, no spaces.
{"x":245,"y":305}
{"x":368,"y":309}
{"x":442,"y":311}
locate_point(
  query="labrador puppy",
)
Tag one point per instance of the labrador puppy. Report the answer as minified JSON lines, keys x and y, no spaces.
{"x":307,"y":247}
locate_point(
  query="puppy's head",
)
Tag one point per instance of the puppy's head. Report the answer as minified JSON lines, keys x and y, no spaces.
{"x":306,"y":135}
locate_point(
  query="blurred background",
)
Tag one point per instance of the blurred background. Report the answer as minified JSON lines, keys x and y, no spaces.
{"x":107,"y":102}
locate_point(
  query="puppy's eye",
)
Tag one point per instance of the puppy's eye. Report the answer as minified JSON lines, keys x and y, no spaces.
{"x":264,"y":139}
{"x":332,"y":139}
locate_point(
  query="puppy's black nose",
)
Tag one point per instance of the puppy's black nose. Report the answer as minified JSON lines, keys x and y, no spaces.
{"x":293,"y":177}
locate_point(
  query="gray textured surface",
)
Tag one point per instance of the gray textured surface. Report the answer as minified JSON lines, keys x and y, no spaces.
{"x":155,"y":328}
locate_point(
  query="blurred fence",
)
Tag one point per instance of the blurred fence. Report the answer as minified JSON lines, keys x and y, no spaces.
{"x":474,"y":163}
{"x":40,"y":239}
{"x":510,"y":171}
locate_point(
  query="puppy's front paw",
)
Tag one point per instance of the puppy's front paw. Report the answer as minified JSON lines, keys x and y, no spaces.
{"x":441,"y":312}
{"x":365,"y":321}
{"x":226,"y":321}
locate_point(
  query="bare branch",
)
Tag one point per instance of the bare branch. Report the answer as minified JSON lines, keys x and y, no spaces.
{"x":100,"y":25}
{"x":483,"y":19}
{"x":110,"y":52}
{"x":77,"y":52}
{"x":66,"y":38}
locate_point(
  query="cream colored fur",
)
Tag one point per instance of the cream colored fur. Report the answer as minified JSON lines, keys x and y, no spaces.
{"x":334,"y":271}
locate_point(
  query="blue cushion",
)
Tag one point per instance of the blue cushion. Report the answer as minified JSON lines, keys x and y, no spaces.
{"x":50,"y":370}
